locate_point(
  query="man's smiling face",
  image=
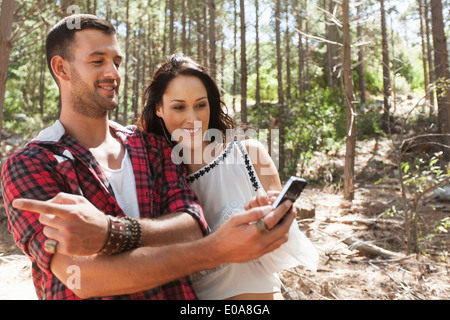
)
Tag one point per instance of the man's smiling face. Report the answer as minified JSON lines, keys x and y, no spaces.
{"x":94,"y":72}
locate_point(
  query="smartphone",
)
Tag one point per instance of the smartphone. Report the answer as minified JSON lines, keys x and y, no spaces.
{"x":291,"y":191}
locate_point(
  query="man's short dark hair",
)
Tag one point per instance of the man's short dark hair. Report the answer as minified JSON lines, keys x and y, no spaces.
{"x":61,"y":36}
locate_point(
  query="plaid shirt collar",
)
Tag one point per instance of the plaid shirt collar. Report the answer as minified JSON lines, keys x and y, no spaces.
{"x":69,"y":148}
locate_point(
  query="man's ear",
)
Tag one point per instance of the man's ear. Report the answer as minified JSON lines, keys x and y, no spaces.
{"x":60,"y":68}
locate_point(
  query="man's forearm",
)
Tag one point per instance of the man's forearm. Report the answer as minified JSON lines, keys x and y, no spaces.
{"x":133,"y":271}
{"x":237,"y":240}
{"x":169,"y":229}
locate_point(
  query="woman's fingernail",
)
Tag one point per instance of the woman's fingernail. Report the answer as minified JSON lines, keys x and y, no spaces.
{"x":287,"y":203}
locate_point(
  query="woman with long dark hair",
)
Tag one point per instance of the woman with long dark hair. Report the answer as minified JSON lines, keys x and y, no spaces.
{"x":183,"y":103}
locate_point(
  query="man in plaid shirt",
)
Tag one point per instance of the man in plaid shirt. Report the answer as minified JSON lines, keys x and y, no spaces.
{"x":63,"y":171}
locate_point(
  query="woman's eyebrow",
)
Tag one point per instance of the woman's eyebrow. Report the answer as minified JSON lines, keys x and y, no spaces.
{"x":180,"y":100}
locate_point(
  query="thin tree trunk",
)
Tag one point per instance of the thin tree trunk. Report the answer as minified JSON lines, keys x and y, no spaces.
{"x":127,"y":47}
{"x":329,"y":48}
{"x":288,"y":57}
{"x":198,"y":21}
{"x":349,"y":166}
{"x":243,"y":65}
{"x":222,"y":62}
{"x":307,"y":51}
{"x":150,"y":43}
{"x":235,"y":57}
{"x":183,"y":28}
{"x":300,"y":49}
{"x":257,"y":94}
{"x":442,"y":73}
{"x":205,"y":36}
{"x":171,"y":26}
{"x":431,"y":77}
{"x":43,"y":66}
{"x":280,"y":88}
{"x":212,"y":39}
{"x":164,"y":33}
{"x":361,"y":72}
{"x":6,"y":20}
{"x":424,"y":56}
{"x":386,"y":69}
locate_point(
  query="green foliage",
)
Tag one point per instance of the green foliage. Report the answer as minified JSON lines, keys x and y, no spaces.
{"x":368,"y":123}
{"x":28,"y":127}
{"x":419,"y":176}
{"x":316,"y":123}
{"x":424,"y":173}
{"x":268,"y":82}
{"x":442,"y":225}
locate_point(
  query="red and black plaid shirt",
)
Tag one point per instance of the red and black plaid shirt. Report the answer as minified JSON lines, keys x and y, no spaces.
{"x":44,"y":168}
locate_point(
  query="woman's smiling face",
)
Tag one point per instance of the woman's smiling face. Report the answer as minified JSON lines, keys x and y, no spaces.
{"x":185,"y":108}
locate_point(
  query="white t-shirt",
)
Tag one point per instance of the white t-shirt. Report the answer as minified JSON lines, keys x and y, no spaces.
{"x":124,"y":186}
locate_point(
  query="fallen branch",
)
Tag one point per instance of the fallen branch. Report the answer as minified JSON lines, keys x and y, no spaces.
{"x":368,"y":249}
{"x":367,"y":221}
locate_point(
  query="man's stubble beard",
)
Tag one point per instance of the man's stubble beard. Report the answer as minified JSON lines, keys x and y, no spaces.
{"x":87,"y":101}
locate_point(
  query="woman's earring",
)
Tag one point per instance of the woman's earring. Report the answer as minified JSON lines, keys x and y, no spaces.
{"x":165,"y":132}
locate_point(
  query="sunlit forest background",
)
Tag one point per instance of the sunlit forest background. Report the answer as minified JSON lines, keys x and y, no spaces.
{"x":265,"y":55}
{"x":357,"y":91}
{"x":268,"y":57}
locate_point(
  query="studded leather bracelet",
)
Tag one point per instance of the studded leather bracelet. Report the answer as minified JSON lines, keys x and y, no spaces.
{"x":123,"y":234}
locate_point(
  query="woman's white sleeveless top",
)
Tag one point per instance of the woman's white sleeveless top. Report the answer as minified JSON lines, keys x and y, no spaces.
{"x":223,"y":187}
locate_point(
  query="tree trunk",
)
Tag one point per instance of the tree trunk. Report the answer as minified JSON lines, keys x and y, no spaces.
{"x":183,"y":28}
{"x":307,"y":51}
{"x":280,"y":88}
{"x":42,"y":70}
{"x":198,"y":21}
{"x":164,"y":33}
{"x":300,"y":49}
{"x":386,"y":69}
{"x":127,"y":47}
{"x":332,"y":33}
{"x":424,"y":55}
{"x":243,"y":66}
{"x":431,"y":77}
{"x":288,"y":57}
{"x":349,"y":166}
{"x":212,"y":39}
{"x":235,"y":58}
{"x":171,"y":26}
{"x":257,"y":93}
{"x":205,"y":36}
{"x":6,"y":20}
{"x":442,"y":73}
{"x":361,"y":72}
{"x":222,"y":62}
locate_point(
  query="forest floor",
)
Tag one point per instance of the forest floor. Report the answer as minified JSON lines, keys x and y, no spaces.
{"x":344,"y":272}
